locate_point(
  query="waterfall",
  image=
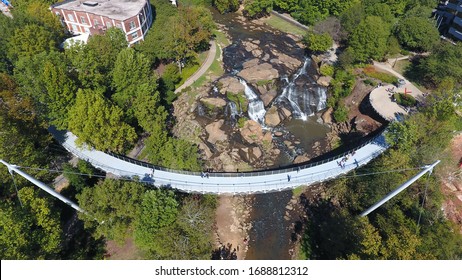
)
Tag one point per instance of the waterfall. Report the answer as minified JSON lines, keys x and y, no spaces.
{"x":302,"y":94}
{"x":231,"y":109}
{"x":256,"y":107}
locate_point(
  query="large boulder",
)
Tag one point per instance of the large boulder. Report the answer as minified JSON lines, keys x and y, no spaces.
{"x":275,"y":116}
{"x":301,"y":159}
{"x":324,"y":81}
{"x":215,"y":133}
{"x":259,"y":72}
{"x":272,"y":118}
{"x":269,"y":96}
{"x":252,"y":132}
{"x":253,"y":48}
{"x":287,"y":61}
{"x":327,"y":116}
{"x":214,"y":102}
{"x":230,"y":84}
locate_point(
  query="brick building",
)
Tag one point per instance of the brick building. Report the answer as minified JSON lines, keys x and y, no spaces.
{"x":133,"y":17}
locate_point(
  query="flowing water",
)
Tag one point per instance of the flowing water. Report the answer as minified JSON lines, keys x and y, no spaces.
{"x":298,"y":91}
{"x":256,"y":107}
{"x":302,"y":94}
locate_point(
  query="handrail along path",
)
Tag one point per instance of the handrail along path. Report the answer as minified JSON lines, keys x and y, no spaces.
{"x":227,"y":183}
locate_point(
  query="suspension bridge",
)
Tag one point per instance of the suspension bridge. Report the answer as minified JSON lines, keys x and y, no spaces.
{"x":227,"y":183}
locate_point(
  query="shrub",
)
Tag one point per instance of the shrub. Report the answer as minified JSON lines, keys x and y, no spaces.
{"x":370,"y":82}
{"x":406,"y":100}
{"x":384,"y":77}
{"x":326,"y":70}
{"x":341,"y":113}
{"x":317,"y":42}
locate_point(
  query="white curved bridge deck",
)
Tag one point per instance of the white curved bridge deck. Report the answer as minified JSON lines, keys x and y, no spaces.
{"x":228,"y":183}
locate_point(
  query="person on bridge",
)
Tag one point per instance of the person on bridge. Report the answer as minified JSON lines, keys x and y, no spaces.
{"x":288,"y":178}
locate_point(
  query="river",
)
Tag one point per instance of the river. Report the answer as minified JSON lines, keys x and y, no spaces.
{"x":270,"y":235}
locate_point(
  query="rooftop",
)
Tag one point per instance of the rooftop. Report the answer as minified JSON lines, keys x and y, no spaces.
{"x":115,"y":9}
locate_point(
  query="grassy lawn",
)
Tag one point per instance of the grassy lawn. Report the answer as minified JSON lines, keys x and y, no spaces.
{"x":284,"y":26}
{"x":298,"y":191}
{"x":401,"y":66}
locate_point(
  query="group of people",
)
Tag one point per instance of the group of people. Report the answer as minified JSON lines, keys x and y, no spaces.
{"x":342,"y":162}
{"x":204,"y":175}
{"x":391,"y":90}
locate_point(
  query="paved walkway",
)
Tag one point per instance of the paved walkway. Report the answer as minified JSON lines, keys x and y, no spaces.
{"x":227,"y":183}
{"x":204,"y":67}
{"x":382,"y":99}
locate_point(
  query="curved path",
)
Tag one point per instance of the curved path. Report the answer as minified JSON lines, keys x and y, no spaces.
{"x":381,"y":98}
{"x":204,"y":67}
{"x":226,"y":183}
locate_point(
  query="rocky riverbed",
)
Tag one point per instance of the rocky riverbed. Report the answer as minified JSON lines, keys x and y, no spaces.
{"x":265,"y":111}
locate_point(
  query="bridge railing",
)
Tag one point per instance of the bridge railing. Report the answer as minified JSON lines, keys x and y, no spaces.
{"x":247,"y":174}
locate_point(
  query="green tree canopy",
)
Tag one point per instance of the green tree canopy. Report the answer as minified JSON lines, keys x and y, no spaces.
{"x":136,"y":89}
{"x":30,"y":40}
{"x":94,"y":61}
{"x":159,"y":210}
{"x":52,"y":89}
{"x":111,"y":206}
{"x":417,"y":33}
{"x":99,"y":123}
{"x":441,"y":64}
{"x":369,"y":39}
{"x":32,"y":231}
{"x":225,"y":6}
{"x":317,"y":43}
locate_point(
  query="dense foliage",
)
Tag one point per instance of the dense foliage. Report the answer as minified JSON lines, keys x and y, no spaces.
{"x":317,"y":43}
{"x":109,"y":96}
{"x":402,"y":228}
{"x":162,"y":227}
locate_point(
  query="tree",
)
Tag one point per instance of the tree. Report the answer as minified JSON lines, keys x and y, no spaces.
{"x":369,"y":39}
{"x":29,"y":232}
{"x":182,"y":35}
{"x":417,"y":33}
{"x":52,"y":89}
{"x":317,"y":43}
{"x":30,"y":40}
{"x":111,"y":207}
{"x":257,"y":8}
{"x":135,"y":88}
{"x":350,"y":18}
{"x":159,"y":210}
{"x":441,"y":64}
{"x":99,"y":123}
{"x":225,"y":6}
{"x":94,"y":61}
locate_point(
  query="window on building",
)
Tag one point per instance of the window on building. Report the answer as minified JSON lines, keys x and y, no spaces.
{"x":96,"y":22}
{"x":108,"y":24}
{"x":142,"y":17}
{"x":74,"y":28}
{"x":87,"y":30}
{"x":71,"y":17}
{"x":82,"y":20}
{"x":132,"y":25}
{"x":134,"y":35}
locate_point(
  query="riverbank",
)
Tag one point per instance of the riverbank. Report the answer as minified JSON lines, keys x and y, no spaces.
{"x":232,"y":221}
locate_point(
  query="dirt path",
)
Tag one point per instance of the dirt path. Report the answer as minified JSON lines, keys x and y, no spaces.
{"x":204,"y":67}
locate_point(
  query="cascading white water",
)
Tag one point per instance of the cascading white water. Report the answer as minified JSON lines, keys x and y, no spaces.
{"x":232,"y":110}
{"x":256,"y":107}
{"x":302,"y":94}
